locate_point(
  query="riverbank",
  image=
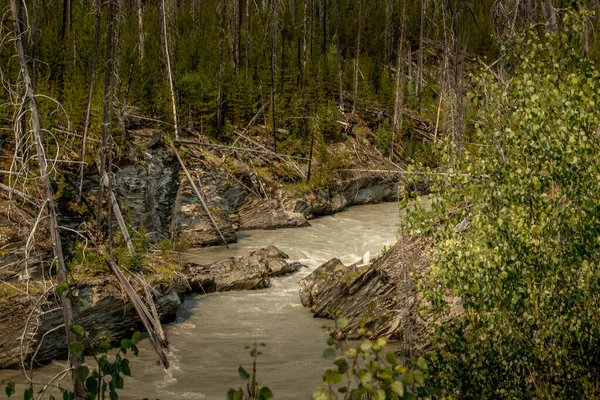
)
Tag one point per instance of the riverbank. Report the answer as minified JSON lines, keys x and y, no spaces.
{"x":34,"y":336}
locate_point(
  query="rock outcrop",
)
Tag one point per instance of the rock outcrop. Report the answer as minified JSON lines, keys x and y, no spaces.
{"x":268,"y":214}
{"x":31,"y":324}
{"x":242,"y":273}
{"x":381,"y":296}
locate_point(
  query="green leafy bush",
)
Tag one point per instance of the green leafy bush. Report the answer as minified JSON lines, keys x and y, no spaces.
{"x":516,"y":295}
{"x":363,"y":372}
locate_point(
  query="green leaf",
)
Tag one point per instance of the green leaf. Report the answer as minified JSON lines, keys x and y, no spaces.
{"x":332,"y":377}
{"x":82,"y":373}
{"x":243,"y":374}
{"x":68,"y":395}
{"x":9,"y":389}
{"x":265,"y":393}
{"x":341,"y":323}
{"x":392,"y":358}
{"x":235,"y":394}
{"x":78,"y":330}
{"x":136,"y":336}
{"x":408,"y":378}
{"x":398,"y":388}
{"x":28,"y":394}
{"x":91,"y":385}
{"x":330,"y":353}
{"x":76,"y":347}
{"x":419,"y":378}
{"x":125,"y":367}
{"x":62,"y":288}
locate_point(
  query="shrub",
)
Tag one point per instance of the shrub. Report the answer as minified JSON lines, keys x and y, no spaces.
{"x":526,"y":272}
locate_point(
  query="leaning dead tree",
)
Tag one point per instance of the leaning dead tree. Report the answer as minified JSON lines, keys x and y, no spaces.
{"x":35,"y":128}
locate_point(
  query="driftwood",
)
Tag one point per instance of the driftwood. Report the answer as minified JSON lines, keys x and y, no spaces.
{"x":152,"y":328}
{"x":200,"y":197}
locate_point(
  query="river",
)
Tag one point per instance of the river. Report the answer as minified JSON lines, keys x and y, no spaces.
{"x":208,"y":338}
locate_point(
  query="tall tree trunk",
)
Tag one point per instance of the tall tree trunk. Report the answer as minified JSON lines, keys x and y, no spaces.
{"x":69,"y":9}
{"x":165,"y":36}
{"x":419,"y":77}
{"x":108,"y":74}
{"x":550,"y":16}
{"x":140,"y":21}
{"x":275,"y":13}
{"x":221,"y":16}
{"x":312,"y":25}
{"x":247,"y":37}
{"x":303,"y":62}
{"x":34,"y":30}
{"x":49,"y":194}
{"x":357,"y":59}
{"x":88,"y":112}
{"x":398,"y":104}
{"x":324,"y":26}
{"x":339,"y":56}
{"x":238,"y":33}
{"x":389,"y":11}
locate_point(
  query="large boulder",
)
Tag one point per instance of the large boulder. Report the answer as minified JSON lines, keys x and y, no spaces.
{"x":268,"y":214}
{"x":241,"y":273}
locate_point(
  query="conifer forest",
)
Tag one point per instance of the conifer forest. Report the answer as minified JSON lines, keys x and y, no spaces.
{"x":155,"y":151}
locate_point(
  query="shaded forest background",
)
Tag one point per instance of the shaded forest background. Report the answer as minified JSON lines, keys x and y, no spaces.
{"x":227,"y":59}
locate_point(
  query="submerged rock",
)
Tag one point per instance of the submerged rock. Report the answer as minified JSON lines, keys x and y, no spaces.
{"x":381,"y":296}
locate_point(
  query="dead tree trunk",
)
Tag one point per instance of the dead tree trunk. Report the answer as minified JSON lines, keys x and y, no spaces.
{"x":140,"y":21}
{"x":48,"y":192}
{"x":419,"y":77}
{"x":34,"y":45}
{"x":398,"y":104}
{"x":389,"y":10}
{"x":221,"y":17}
{"x":339,"y":55}
{"x":247,"y":37}
{"x":88,"y":112}
{"x":108,"y":74}
{"x":165,"y":36}
{"x":275,"y":22}
{"x":550,"y":16}
{"x":312,"y":25}
{"x":324,"y":26}
{"x":357,"y":59}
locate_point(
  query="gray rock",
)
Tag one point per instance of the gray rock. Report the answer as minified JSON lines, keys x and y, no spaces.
{"x":241,"y":273}
{"x":381,"y":296}
{"x":268,"y":214}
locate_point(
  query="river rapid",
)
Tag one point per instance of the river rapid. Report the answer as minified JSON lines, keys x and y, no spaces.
{"x":207,"y":339}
